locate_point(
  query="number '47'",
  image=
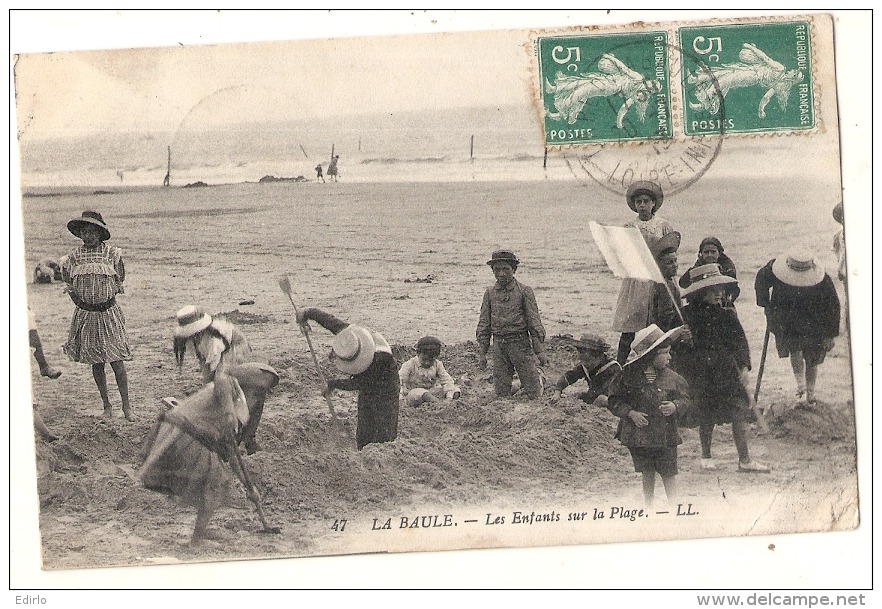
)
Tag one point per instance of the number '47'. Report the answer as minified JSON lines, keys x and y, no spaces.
{"x":339,"y":525}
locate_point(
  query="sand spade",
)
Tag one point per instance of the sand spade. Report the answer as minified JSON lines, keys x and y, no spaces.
{"x":760,"y":415}
{"x":251,"y":492}
{"x":285,"y":284}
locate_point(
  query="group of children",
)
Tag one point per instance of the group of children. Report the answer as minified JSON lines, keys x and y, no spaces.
{"x":674,"y":364}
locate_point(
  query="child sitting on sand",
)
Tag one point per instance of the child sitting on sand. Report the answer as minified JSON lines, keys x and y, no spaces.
{"x":424,"y":378}
{"x":646,"y":398}
{"x":595,"y":367}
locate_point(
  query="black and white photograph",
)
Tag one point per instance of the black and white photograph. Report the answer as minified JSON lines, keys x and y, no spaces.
{"x":438,"y":298}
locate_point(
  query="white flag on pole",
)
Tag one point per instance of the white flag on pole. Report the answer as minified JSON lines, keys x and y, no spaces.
{"x":625,"y":252}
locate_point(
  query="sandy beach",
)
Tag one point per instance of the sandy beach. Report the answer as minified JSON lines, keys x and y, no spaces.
{"x":407,"y":259}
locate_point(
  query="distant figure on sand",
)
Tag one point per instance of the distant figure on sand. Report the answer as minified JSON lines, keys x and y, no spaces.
{"x":318,"y":173}
{"x":332,"y":168}
{"x":94,"y":274}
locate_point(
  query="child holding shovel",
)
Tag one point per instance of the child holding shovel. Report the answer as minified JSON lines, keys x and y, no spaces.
{"x":221,"y":347}
{"x":192,"y":451}
{"x":366,"y":356}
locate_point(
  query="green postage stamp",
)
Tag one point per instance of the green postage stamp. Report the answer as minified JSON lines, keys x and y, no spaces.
{"x":605,"y":88}
{"x":726,"y":78}
{"x":747,"y":78}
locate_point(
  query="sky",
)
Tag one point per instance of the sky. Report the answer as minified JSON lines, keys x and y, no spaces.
{"x":160,"y":89}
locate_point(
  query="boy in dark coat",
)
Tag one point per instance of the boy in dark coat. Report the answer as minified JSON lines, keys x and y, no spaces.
{"x":647,"y":396}
{"x":802,"y":311}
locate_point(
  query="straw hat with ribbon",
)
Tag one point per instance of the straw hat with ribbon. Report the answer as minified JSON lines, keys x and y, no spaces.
{"x":353,"y":349}
{"x":798,"y":269}
{"x":646,"y":341}
{"x":705,"y":276}
{"x":191,"y":320}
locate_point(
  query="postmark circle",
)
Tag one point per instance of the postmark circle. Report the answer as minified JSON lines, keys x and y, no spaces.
{"x":675,"y":163}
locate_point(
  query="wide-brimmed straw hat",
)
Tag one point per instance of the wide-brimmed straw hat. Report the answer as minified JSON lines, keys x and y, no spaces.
{"x":191,"y":320}
{"x":503,"y":256}
{"x":705,"y":276}
{"x":89,"y":218}
{"x":353,"y":349}
{"x":646,"y":341}
{"x":671,"y":241}
{"x":798,"y":269}
{"x":645,"y":187}
{"x":591,"y":342}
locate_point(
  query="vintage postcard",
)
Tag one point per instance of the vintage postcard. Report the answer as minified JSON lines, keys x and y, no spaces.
{"x":549,"y":284}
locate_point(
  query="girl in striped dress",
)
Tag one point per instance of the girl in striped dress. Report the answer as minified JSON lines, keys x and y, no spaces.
{"x":94,"y":274}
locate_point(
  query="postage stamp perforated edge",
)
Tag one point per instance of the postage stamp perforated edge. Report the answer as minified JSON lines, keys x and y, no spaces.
{"x":822,"y":66}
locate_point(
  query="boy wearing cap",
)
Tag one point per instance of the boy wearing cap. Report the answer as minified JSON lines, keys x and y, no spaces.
{"x":596,"y":367}
{"x":94,"y":274}
{"x":510,"y":316}
{"x":646,"y":397}
{"x":802,"y":311}
{"x":424,"y":378}
{"x":366,"y":356}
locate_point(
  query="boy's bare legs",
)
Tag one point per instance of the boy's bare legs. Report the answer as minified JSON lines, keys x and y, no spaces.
{"x":649,"y":487}
{"x":670,"y":483}
{"x":811,"y":376}
{"x":797,"y":363}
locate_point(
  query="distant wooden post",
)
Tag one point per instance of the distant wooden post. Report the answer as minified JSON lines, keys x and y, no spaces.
{"x":545,"y":158}
{"x":332,"y":152}
{"x":472,"y":149}
{"x":167,"y":181}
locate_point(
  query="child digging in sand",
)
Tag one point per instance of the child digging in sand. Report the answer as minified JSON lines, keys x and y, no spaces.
{"x":424,"y":378}
{"x":94,"y":274}
{"x":647,"y":397}
{"x":595,"y":367}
